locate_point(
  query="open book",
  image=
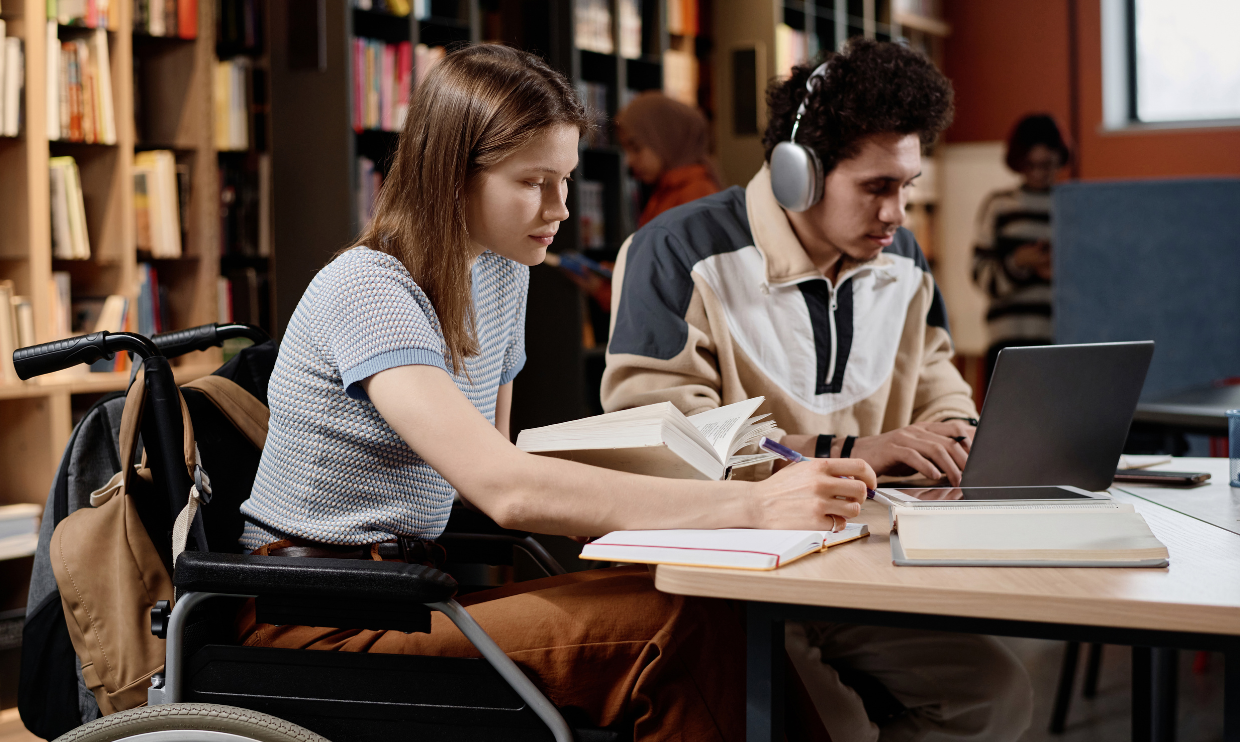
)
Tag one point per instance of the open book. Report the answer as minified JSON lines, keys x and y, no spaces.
{"x":658,"y":440}
{"x":733,"y":548}
{"x":1099,"y":533}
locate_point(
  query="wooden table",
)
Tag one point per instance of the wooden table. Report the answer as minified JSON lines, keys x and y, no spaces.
{"x":1215,"y":502}
{"x":1192,"y":604}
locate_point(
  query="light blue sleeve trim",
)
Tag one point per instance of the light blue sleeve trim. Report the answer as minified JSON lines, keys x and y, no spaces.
{"x":353,"y":377}
{"x":511,"y":374}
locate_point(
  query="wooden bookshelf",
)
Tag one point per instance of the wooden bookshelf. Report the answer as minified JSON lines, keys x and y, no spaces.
{"x":173,"y":83}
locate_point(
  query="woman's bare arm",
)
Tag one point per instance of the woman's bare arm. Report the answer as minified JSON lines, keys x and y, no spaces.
{"x":503,"y":410}
{"x":553,"y":496}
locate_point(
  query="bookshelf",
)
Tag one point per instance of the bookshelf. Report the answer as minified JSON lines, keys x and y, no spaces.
{"x":161,"y":100}
{"x":761,"y":40}
{"x":320,"y":200}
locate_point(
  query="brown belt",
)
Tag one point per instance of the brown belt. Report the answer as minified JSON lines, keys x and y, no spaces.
{"x":403,"y":549}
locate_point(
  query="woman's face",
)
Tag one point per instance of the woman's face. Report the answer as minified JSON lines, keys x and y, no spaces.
{"x":643,"y":162}
{"x":515,"y":208}
{"x":1041,"y":165}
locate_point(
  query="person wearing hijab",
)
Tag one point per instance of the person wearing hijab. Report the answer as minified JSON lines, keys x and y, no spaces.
{"x":668,"y":146}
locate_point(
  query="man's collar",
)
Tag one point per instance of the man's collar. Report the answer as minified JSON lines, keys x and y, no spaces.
{"x":785,"y":259}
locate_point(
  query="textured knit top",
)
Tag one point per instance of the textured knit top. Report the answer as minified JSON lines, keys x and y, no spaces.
{"x":333,"y":470}
{"x":1020,"y":299}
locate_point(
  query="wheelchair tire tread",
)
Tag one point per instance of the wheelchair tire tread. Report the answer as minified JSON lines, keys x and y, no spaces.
{"x":198,"y":716}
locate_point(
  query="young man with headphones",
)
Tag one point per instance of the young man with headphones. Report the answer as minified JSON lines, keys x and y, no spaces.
{"x":803,"y":287}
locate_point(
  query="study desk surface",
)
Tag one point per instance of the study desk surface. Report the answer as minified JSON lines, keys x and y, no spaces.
{"x":1215,"y":502}
{"x":1198,"y":592}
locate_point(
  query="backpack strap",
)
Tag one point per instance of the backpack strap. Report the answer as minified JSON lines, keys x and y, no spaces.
{"x":246,"y":413}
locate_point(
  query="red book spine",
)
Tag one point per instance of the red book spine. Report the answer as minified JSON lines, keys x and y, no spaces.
{"x":187,"y":19}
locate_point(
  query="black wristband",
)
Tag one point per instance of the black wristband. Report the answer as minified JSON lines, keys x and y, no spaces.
{"x":970,"y":420}
{"x":846,"y":451}
{"x":822,"y":447}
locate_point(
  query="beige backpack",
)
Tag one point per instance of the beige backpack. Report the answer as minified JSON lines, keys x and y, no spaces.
{"x":108,"y":570}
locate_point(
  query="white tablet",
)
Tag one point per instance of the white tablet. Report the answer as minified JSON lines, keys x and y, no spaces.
{"x":973,"y":495}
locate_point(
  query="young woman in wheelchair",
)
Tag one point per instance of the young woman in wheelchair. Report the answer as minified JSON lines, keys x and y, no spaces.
{"x":392,"y":393}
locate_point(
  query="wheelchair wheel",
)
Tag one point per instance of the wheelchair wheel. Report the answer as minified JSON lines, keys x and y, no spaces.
{"x":190,"y":722}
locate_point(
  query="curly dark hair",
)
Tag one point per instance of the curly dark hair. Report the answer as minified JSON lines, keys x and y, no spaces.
{"x":870,"y":88}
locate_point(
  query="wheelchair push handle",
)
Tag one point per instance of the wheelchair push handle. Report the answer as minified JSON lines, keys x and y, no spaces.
{"x":180,"y":342}
{"x":58,"y":355}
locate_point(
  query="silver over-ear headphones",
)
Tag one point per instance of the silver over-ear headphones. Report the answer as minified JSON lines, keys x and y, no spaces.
{"x":796,"y":171}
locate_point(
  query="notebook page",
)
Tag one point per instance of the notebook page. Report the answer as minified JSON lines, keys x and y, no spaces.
{"x":721,"y":425}
{"x":741,"y":548}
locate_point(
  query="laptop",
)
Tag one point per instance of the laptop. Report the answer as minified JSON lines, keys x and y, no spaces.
{"x":1057,"y":415}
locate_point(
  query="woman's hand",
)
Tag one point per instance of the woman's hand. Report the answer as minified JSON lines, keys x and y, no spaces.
{"x":812,"y":496}
{"x":933,"y":450}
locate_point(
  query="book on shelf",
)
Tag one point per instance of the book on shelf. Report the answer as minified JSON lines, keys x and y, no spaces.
{"x":658,"y":440}
{"x":791,"y":49}
{"x":592,"y":26}
{"x":99,"y":314}
{"x":244,"y":189}
{"x":1080,"y":534}
{"x":398,"y":8}
{"x":19,"y":529}
{"x":683,"y":17}
{"x":157,"y":203}
{"x":245,"y":286}
{"x":425,"y":57}
{"x":81,"y":84}
{"x":23,"y":319}
{"x":630,"y":12}
{"x":173,"y":18}
{"x":70,"y":238}
{"x":61,"y":310}
{"x":12,"y":82}
{"x":382,"y":74}
{"x":728,"y":548}
{"x":592,"y":218}
{"x":8,"y":333}
{"x":369,"y":180}
{"x":223,"y":300}
{"x":87,"y":13}
{"x":231,"y":105}
{"x":238,"y":27}
{"x":680,"y":76}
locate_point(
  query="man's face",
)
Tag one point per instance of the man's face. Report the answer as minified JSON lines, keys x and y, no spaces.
{"x":864,"y":197}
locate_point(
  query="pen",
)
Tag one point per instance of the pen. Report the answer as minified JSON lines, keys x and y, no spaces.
{"x":788,"y":454}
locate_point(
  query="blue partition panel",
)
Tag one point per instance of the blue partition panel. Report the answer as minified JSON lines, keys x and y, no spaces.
{"x":1153,"y":260}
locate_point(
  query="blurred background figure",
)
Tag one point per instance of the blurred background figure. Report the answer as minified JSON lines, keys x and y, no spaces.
{"x":1012,"y":258}
{"x":667,"y":144}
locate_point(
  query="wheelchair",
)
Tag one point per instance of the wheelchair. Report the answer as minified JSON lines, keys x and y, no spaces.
{"x":211,"y":690}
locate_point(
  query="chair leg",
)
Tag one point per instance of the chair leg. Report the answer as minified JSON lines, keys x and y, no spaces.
{"x":1063,"y":694}
{"x":1093,"y":664}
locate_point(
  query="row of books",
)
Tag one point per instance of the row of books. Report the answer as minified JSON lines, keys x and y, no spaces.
{"x":232,"y":132}
{"x":590,"y":207}
{"x":245,"y":205}
{"x":160,"y":202}
{"x":381,"y":77}
{"x":594,"y":96}
{"x":592,"y":27}
{"x":70,"y":237}
{"x":239,"y":27}
{"x":177,"y":18}
{"x":680,"y":76}
{"x":16,"y":328}
{"x":152,"y":302}
{"x":393,"y":7}
{"x":923,"y":8}
{"x":88,"y":13}
{"x":79,"y":88}
{"x":425,"y":57}
{"x":12,"y":81}
{"x":683,"y":17}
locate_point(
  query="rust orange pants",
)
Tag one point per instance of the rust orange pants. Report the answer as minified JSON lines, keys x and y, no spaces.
{"x":603,"y":641}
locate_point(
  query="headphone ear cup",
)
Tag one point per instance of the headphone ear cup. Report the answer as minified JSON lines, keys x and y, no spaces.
{"x":796,"y":176}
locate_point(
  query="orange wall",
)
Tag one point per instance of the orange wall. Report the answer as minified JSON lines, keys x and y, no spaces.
{"x":1007,"y":58}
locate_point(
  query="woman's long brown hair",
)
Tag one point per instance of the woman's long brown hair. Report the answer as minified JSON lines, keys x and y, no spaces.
{"x":477,"y":106}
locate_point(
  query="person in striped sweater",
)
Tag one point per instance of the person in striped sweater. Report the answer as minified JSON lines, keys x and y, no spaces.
{"x":1012,"y":259}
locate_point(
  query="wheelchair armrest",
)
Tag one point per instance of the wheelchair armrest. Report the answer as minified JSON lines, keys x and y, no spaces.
{"x":354,"y":580}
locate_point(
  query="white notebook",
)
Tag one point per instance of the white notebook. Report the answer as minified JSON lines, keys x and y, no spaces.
{"x":1098,"y":533}
{"x":658,"y":440}
{"x":731,"y":548}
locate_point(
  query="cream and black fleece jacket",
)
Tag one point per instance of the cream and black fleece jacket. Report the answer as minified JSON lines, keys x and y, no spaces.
{"x":716,"y":301}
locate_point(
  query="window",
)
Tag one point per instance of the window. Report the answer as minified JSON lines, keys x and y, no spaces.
{"x":1171,"y":61}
